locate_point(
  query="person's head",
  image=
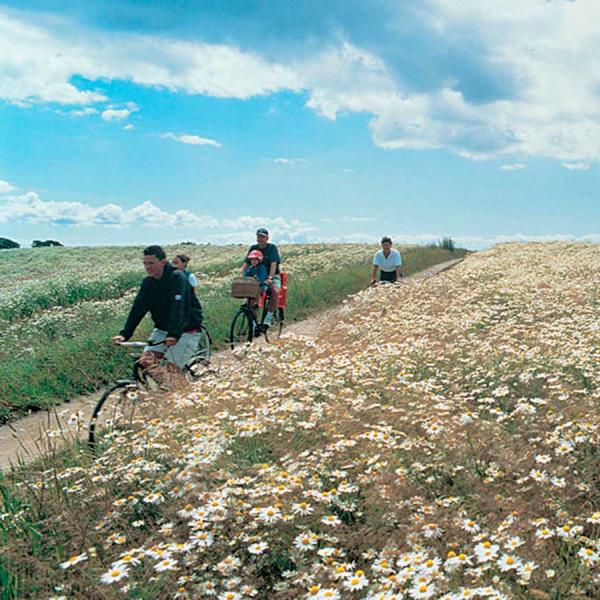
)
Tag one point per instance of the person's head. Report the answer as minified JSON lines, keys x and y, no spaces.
{"x":180,"y":261}
{"x":386,"y":243}
{"x":262,"y":236}
{"x":155,"y":260}
{"x":255,"y":257}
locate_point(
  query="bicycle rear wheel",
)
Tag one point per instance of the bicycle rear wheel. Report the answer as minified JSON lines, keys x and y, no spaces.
{"x":241,"y":331}
{"x":204,"y":345}
{"x":115,"y":410}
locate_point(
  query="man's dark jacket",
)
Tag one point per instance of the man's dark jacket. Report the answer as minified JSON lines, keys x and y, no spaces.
{"x":171,"y":302}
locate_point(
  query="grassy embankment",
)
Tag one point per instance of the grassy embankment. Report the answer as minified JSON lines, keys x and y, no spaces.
{"x":439,"y":441}
{"x":56,"y":354}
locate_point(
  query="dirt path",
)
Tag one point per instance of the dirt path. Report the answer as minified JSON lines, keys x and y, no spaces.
{"x":29,"y":437}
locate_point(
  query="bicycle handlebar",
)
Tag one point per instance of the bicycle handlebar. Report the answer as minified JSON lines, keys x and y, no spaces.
{"x":141,"y":344}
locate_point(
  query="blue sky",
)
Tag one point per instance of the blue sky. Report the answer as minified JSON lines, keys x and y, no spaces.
{"x":137,"y":122}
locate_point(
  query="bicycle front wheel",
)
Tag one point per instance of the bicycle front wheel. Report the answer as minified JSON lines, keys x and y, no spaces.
{"x":114,"y":411}
{"x":240,"y":331}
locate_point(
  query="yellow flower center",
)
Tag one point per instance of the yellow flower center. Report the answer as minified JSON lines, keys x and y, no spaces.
{"x":510,"y":560}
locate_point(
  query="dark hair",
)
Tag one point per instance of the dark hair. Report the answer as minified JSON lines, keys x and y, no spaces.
{"x":386,"y":238}
{"x":184,"y":258}
{"x":156,"y":251}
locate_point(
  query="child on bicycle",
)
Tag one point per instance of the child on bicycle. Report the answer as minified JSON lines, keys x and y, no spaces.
{"x":256,"y":269}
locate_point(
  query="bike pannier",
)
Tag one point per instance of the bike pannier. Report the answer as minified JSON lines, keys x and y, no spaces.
{"x":245,"y":287}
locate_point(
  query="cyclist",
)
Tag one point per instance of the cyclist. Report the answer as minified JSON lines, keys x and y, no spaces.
{"x":271,"y":261}
{"x":257,"y":269}
{"x":181,"y":261}
{"x":167,"y":294}
{"x":389,"y":260}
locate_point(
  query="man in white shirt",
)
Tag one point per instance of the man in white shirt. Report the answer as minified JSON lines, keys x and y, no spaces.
{"x":389,"y":261}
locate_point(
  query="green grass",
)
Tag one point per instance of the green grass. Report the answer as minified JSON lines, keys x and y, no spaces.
{"x":65,"y":363}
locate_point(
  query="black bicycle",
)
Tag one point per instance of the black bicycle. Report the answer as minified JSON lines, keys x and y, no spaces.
{"x":119,"y":404}
{"x":249,"y":321}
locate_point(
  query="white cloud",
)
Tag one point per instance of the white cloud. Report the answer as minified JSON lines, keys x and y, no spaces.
{"x":128,"y":127}
{"x":193,"y":140}
{"x":30,"y":208}
{"x":550,"y":48}
{"x":289,"y":161}
{"x":276,"y":223}
{"x":115,"y":114}
{"x":513,"y":167}
{"x":83,"y":112}
{"x":576,"y":166}
{"x":6,"y":188}
{"x":38,"y":64}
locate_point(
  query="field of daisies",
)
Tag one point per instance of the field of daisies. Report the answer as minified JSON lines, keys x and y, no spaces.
{"x":439,"y":439}
{"x":59,"y":307}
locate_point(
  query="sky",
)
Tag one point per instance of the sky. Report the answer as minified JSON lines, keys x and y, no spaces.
{"x":161,"y":121}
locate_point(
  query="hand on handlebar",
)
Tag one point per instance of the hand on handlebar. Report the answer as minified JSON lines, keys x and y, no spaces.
{"x":170,"y":341}
{"x":117,"y":339}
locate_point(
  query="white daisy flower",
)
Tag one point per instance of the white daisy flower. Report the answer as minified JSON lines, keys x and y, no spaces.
{"x":258,"y":548}
{"x":114,"y":574}
{"x":74,"y":560}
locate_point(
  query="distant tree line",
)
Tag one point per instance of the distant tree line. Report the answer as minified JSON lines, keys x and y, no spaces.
{"x":447,"y":243}
{"x":6,"y":244}
{"x":40,"y":244}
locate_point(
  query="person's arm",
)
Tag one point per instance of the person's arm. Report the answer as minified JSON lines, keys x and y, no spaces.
{"x":399,"y":272}
{"x":374,"y":274}
{"x":262,"y":274}
{"x":178,"y":290}
{"x":138,"y":309}
{"x":275,"y":260}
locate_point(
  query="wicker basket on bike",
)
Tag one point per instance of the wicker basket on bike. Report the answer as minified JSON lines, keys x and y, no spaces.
{"x":245,"y":287}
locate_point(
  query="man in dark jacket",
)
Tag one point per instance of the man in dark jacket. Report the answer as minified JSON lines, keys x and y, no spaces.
{"x":167,"y":294}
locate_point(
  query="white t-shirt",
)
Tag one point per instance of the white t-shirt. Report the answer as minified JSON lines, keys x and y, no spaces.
{"x":387,"y":264}
{"x":193,"y":281}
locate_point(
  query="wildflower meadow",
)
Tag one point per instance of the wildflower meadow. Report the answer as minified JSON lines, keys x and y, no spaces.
{"x":437,"y":439}
{"x":60,"y":306}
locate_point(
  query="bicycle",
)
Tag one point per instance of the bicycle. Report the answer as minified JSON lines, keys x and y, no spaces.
{"x":117,"y":406}
{"x":246,"y":325}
